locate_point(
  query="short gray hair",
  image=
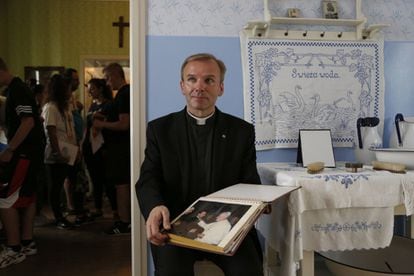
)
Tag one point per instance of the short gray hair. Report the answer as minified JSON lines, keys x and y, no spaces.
{"x":115,"y":68}
{"x":204,"y":56}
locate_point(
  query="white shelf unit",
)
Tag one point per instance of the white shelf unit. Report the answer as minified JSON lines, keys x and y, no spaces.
{"x":316,"y":21}
{"x":272,"y":27}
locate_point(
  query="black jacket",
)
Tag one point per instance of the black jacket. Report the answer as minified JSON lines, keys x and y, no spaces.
{"x":165,"y":177}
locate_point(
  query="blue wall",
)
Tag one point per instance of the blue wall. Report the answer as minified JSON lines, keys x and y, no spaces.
{"x":166,"y":53}
{"x":399,"y":89}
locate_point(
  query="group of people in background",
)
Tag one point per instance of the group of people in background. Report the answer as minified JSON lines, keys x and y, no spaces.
{"x":52,"y":153}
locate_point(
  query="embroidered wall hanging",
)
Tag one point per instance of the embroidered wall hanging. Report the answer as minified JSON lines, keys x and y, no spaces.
{"x":294,"y":84}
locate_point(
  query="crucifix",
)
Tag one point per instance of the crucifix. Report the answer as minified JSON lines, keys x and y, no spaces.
{"x":121,"y":24}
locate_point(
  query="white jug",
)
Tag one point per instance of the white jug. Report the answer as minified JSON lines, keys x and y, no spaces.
{"x":403,"y":134}
{"x":368,"y":137}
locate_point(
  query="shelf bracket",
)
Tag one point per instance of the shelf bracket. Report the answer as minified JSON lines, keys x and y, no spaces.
{"x":258,"y":28}
{"x":371,"y":30}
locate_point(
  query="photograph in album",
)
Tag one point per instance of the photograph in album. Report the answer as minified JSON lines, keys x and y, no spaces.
{"x":219,"y":222}
{"x":214,"y":226}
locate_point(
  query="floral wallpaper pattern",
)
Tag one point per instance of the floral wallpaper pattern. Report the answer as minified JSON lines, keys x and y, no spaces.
{"x":228,"y":17}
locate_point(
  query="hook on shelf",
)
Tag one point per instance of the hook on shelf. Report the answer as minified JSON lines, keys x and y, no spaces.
{"x":322,"y":34}
{"x":258,"y":29}
{"x":287,"y":33}
{"x":340,"y":34}
{"x":305,"y":33}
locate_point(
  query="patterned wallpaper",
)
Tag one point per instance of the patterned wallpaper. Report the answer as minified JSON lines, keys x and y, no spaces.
{"x":227,"y":18}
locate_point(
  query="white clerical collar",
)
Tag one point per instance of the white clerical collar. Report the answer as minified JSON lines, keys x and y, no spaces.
{"x":200,"y":121}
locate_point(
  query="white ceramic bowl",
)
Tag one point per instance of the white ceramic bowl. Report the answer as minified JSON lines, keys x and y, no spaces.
{"x":396,"y":155}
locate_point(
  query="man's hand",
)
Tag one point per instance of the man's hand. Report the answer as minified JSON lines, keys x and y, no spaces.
{"x":98,"y":116}
{"x":98,"y":120}
{"x":98,"y":124}
{"x":158,"y":219}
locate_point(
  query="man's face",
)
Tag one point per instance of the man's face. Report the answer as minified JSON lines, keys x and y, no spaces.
{"x":201,"y":86}
{"x":222,"y":216}
{"x":111,"y":80}
{"x":75,"y":81}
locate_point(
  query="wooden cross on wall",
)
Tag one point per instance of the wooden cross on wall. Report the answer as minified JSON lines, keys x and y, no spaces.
{"x":121,"y":25}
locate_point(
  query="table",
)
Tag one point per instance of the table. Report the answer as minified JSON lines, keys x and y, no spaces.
{"x":334,"y":210}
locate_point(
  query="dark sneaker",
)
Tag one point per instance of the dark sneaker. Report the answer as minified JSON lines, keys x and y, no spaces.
{"x":119,"y":228}
{"x":69,"y":212}
{"x":63,"y":224}
{"x":84,"y":219}
{"x":9,"y":257}
{"x":30,"y":249}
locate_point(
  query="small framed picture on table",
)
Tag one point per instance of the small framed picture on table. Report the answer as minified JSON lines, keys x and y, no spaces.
{"x":330,"y":9}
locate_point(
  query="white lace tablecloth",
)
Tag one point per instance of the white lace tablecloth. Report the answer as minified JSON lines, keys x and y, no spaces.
{"x":334,"y":210}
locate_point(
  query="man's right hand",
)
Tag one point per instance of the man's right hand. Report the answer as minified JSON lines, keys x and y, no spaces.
{"x":159,"y":218}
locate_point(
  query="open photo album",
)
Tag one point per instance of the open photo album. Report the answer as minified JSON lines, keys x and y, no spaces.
{"x":219,"y":222}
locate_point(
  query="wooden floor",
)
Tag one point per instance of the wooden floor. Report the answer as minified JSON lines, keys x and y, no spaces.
{"x":83,"y":250}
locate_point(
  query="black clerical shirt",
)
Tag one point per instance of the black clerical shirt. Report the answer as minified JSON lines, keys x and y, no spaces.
{"x":201,"y":149}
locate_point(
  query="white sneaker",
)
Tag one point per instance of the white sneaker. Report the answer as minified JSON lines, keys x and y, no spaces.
{"x":30,"y":249}
{"x":9,"y":257}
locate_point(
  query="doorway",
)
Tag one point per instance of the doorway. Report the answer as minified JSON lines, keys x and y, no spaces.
{"x":92,"y":67}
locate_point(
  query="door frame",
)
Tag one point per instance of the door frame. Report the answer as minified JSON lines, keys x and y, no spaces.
{"x":138,"y":23}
